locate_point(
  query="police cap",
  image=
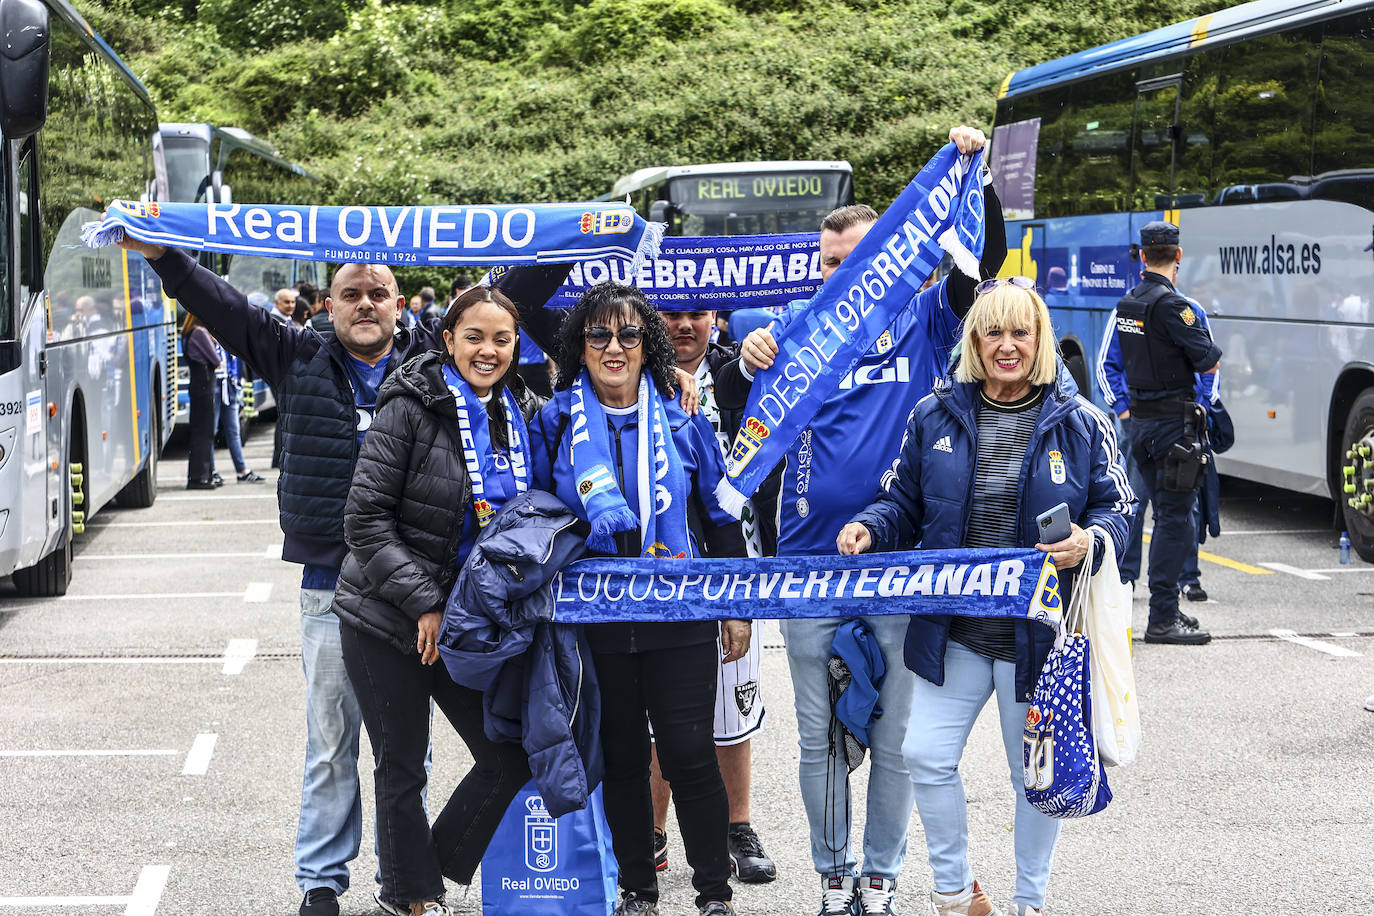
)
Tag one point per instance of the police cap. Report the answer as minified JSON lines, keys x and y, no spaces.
{"x":1158,"y":233}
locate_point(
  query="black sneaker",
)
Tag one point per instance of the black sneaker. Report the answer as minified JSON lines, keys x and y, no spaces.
{"x":1194,"y":592}
{"x":747,"y":858}
{"x":1177,"y":633}
{"x":716,"y":908}
{"x":216,"y":479}
{"x":660,"y":850}
{"x":632,"y":905}
{"x":200,"y":484}
{"x":250,"y":476}
{"x":320,"y":901}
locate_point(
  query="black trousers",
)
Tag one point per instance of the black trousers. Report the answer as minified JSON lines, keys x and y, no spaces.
{"x":1175,"y":535}
{"x":394,"y":691}
{"x":676,"y":688}
{"x":201,"y":434}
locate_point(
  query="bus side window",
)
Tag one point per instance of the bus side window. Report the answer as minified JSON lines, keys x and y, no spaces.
{"x":1193,"y":146}
{"x":1097,"y":156}
{"x":30,"y":267}
{"x":1264,"y":114}
{"x":1343,"y":137}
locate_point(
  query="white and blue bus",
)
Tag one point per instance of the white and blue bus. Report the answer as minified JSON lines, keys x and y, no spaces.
{"x":84,"y":334}
{"x":739,"y":198}
{"x":203,"y":164}
{"x":1253,"y":129}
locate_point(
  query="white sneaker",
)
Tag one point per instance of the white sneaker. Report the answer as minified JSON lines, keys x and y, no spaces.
{"x":875,"y":896}
{"x":1024,"y":909}
{"x":837,"y":896}
{"x":973,"y":902}
{"x":1369,"y":704}
{"x":435,"y":908}
{"x":393,"y":909}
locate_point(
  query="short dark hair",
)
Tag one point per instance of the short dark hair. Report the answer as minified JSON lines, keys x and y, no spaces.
{"x":598,"y":305}
{"x":427,"y":294}
{"x":842,"y":218}
{"x":1159,"y":254}
{"x":460,"y":283}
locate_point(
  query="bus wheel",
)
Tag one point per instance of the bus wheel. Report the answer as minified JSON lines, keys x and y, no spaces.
{"x":141,"y":492}
{"x":1357,"y":470}
{"x":50,"y":576}
{"x":1079,"y":370}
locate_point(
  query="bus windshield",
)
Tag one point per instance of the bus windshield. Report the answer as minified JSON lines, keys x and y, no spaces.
{"x":6,"y":302}
{"x":188,"y":168}
{"x":756,"y":203}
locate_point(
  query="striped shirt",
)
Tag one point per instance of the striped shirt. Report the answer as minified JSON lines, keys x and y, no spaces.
{"x":1004,"y":434}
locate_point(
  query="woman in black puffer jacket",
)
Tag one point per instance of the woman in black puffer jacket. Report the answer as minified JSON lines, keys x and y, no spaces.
{"x":447,"y":448}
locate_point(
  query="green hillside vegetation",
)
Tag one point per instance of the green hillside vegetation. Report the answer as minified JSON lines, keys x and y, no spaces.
{"x":540,"y":100}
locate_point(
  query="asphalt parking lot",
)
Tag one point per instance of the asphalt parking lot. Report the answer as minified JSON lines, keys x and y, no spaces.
{"x":152,"y":734}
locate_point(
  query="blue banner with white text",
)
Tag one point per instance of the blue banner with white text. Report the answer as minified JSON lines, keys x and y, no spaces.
{"x":940,"y":211}
{"x":488,"y":234}
{"x":1008,"y":582}
{"x":711,"y":273}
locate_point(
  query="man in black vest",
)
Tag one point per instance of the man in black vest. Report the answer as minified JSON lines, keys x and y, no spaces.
{"x":1162,"y":345}
{"x":326,"y":379}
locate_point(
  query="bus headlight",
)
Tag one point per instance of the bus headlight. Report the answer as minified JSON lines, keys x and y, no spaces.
{"x":6,"y":444}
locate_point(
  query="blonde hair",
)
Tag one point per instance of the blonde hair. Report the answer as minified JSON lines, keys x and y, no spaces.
{"x":1008,"y":307}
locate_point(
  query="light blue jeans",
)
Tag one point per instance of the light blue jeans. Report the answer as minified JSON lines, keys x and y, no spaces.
{"x":825,"y":778}
{"x":330,"y":829}
{"x":941,"y":720}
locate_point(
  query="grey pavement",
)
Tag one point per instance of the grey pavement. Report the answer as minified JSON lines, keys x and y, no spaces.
{"x":1254,"y":790}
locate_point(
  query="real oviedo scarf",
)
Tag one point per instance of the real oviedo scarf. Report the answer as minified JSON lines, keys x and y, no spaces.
{"x":476,"y":441}
{"x":660,"y":478}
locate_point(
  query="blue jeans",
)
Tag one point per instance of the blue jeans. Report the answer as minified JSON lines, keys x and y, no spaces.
{"x":227,"y":419}
{"x":825,"y":778}
{"x":940,"y":725}
{"x":330,"y":829}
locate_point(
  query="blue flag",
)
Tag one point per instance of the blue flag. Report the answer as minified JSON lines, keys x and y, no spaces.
{"x":1006,"y":582}
{"x":940,"y":211}
{"x":400,"y":236}
{"x":714,"y":272}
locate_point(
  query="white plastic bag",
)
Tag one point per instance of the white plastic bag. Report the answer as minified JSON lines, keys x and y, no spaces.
{"x":1115,"y":712}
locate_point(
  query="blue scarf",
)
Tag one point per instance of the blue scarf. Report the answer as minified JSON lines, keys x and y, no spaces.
{"x":476,"y":440}
{"x":506,"y":234}
{"x":1015,"y":582}
{"x":662,"y":518}
{"x":940,"y":211}
{"x":715,"y":272}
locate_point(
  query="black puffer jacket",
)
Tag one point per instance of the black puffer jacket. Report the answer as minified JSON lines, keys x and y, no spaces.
{"x":404,"y":518}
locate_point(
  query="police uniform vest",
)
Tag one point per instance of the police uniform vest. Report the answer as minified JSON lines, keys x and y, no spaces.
{"x":1154,"y":364}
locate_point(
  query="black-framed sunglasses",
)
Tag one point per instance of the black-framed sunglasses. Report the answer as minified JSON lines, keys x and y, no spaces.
{"x":988,"y":286}
{"x":599,"y":338}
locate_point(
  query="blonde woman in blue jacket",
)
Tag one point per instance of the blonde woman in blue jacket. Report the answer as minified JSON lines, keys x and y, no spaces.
{"x":985,"y":453}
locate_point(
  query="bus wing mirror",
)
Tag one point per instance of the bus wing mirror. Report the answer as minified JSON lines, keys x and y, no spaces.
{"x":23,"y":67}
{"x":661,"y":211}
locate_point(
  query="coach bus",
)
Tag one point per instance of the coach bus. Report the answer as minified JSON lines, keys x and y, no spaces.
{"x":1253,"y":129}
{"x":84,"y":359}
{"x":222,"y":165}
{"x":739,"y":198}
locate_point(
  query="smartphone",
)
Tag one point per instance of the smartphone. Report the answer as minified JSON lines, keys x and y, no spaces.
{"x":1054,"y":524}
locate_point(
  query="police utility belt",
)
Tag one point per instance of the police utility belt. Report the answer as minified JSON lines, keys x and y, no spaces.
{"x":1184,"y":467}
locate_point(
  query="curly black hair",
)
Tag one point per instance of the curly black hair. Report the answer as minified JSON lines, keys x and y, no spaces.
{"x":598,"y":306}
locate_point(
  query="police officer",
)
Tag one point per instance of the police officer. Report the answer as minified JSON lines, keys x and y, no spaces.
{"x":1163,"y":343}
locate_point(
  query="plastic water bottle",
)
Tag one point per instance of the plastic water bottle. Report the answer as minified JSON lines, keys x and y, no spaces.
{"x":1345,"y":549}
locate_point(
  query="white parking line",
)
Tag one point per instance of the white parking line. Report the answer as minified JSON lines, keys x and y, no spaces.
{"x":257,"y":592}
{"x":198,"y":758}
{"x":95,"y":660}
{"x":1294,"y":571}
{"x":167,"y":556}
{"x":273,"y":552}
{"x":189,"y":524}
{"x":1328,"y":648}
{"x":144,"y":596}
{"x":1345,"y":569}
{"x":1233,"y":531}
{"x":159,"y":752}
{"x":218,"y":497}
{"x":239,"y":653}
{"x":152,"y":880}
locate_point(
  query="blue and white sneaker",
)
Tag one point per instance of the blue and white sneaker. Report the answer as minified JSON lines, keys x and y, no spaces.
{"x":837,"y":896}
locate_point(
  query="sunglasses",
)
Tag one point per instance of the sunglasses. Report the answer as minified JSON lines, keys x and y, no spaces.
{"x":599,"y":338}
{"x":988,"y":286}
